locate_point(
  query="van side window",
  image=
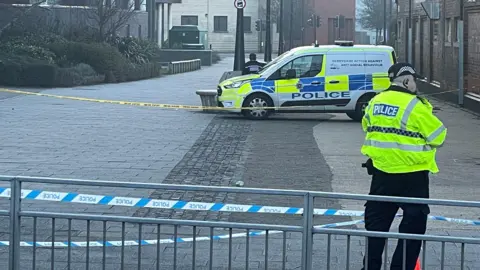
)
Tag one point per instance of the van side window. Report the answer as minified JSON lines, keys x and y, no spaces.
{"x":305,"y":66}
{"x":377,"y":62}
{"x":343,"y":63}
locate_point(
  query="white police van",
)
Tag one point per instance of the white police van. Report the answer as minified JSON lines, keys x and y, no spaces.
{"x":320,"y":78}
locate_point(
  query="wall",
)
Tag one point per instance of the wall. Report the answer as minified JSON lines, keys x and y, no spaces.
{"x":435,"y":50}
{"x":472,"y":48}
{"x":207,"y":9}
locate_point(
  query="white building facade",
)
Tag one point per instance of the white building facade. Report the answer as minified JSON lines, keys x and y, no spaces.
{"x":219,"y":19}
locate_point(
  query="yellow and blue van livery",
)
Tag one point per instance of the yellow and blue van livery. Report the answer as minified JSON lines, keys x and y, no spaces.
{"x":328,"y":78}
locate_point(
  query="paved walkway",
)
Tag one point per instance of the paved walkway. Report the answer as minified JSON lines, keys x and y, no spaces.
{"x":63,"y":138}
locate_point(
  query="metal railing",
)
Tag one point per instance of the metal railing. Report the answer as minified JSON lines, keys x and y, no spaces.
{"x":294,"y":247}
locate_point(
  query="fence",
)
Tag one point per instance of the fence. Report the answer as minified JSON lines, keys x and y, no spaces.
{"x":260,"y":245}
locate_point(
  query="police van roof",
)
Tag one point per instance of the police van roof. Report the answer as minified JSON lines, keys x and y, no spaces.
{"x":339,"y":47}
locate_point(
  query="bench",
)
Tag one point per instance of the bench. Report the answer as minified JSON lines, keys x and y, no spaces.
{"x":208,"y":98}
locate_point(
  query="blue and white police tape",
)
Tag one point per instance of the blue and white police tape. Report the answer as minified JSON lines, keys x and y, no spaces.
{"x":199,"y":206}
{"x":166,"y":241}
{"x":72,"y":197}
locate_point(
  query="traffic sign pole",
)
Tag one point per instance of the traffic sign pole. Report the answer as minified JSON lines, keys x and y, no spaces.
{"x":239,"y":61}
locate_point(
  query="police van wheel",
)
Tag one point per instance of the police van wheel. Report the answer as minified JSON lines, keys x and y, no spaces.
{"x":257,"y":101}
{"x":362,"y":103}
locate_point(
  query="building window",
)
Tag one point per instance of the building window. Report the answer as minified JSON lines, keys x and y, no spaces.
{"x":220,"y":24}
{"x":189,"y":20}
{"x":247,"y":24}
{"x":399,"y":30}
{"x":448,"y":30}
{"x":457,"y":36}
{"x":435,"y":31}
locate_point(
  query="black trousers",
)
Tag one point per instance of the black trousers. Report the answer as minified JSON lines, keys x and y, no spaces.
{"x":379,"y":216}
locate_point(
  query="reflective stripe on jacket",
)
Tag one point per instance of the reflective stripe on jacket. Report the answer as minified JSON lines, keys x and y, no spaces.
{"x":402,"y":133}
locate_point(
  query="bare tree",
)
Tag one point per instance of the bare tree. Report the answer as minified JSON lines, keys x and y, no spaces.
{"x":109,"y":16}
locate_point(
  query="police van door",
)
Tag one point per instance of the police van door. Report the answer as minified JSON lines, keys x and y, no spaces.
{"x":344,"y":78}
{"x":300,"y":82}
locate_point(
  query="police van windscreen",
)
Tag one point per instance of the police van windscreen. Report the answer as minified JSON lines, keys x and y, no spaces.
{"x":274,"y":61}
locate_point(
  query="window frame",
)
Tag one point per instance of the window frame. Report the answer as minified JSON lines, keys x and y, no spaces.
{"x":249,"y":25}
{"x":448,"y":30}
{"x":188,"y":17}
{"x":455,"y":25}
{"x":217,"y":23}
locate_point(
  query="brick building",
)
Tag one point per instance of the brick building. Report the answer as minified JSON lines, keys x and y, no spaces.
{"x":327,"y":10}
{"x":436,"y":44}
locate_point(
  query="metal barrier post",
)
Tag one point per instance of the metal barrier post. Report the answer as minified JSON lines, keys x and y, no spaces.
{"x":307,"y":240}
{"x":14,"y":252}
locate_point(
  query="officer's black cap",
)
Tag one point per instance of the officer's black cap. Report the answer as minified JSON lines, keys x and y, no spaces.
{"x":402,"y":69}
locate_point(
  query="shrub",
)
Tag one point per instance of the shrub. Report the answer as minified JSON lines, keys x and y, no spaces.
{"x":10,"y":73}
{"x":33,"y":51}
{"x":12,"y":66}
{"x":27,"y":74}
{"x":42,"y":75}
{"x":136,"y":50}
{"x":81,"y":74}
{"x":215,"y":57}
{"x":35,"y":39}
{"x":104,"y":58}
{"x":26,"y":71}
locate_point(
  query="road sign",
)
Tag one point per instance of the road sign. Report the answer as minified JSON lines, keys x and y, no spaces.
{"x":240,"y":4}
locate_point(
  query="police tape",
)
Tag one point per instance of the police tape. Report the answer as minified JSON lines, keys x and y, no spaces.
{"x":166,"y":241}
{"x":168,"y":106}
{"x":72,"y":197}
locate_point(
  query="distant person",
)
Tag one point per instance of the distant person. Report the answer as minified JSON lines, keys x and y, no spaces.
{"x":252,"y":66}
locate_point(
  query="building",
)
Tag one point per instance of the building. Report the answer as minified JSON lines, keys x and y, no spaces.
{"x":436,"y":42}
{"x":362,"y":37}
{"x":327,"y":33}
{"x":218,"y":18}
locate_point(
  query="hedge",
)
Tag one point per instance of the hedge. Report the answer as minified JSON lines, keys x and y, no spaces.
{"x":104,"y":58}
{"x":81,"y":74}
{"x":38,"y":74}
{"x":28,"y":61}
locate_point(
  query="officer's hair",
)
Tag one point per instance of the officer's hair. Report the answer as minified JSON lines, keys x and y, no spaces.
{"x":399,"y":80}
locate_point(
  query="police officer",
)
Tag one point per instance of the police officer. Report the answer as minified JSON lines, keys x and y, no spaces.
{"x":402,"y":137}
{"x":252,"y":66}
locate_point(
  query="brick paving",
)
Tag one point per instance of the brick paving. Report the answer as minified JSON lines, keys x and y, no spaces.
{"x":62,"y":138}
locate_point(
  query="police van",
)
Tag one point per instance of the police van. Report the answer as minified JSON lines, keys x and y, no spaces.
{"x":338,"y":78}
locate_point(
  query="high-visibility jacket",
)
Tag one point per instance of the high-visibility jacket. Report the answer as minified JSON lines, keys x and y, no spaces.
{"x":402,"y":133}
